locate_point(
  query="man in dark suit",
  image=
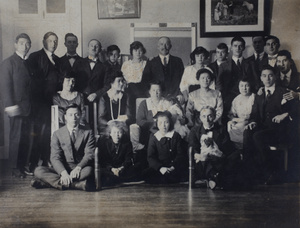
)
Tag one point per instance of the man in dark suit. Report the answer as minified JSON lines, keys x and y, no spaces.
{"x":271,"y":117}
{"x":166,"y":69}
{"x":44,"y":67}
{"x":15,"y":91}
{"x":67,"y":61}
{"x":72,"y":155}
{"x":259,"y":58}
{"x":221,"y":56}
{"x":232,"y":71}
{"x":272,"y":48}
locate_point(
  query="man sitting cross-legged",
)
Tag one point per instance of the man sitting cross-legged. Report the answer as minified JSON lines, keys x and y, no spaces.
{"x":72,"y":155}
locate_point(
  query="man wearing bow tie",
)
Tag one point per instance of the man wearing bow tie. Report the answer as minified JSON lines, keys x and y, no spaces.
{"x":67,"y":61}
{"x":45,"y":69}
{"x":15,"y":91}
{"x":211,"y":167}
{"x":72,"y":155}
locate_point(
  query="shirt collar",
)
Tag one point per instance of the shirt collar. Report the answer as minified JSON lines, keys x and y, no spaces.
{"x":273,"y":56}
{"x":20,"y":55}
{"x":71,"y":129}
{"x":75,"y":55}
{"x":164,"y":56}
{"x":159,"y":136}
{"x":92,"y":58}
{"x":288,"y":74}
{"x":272,"y":89}
{"x":235,"y":59}
{"x":49,"y":53}
{"x":260,"y":55}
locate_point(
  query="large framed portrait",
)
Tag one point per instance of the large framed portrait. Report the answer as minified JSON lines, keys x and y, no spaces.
{"x":221,"y":18}
{"x":114,"y":9}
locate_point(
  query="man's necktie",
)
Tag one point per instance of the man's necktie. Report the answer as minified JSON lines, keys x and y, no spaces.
{"x":268,"y":95}
{"x":165,"y":61}
{"x":285,"y":81}
{"x":239,"y":64}
{"x":73,"y":136}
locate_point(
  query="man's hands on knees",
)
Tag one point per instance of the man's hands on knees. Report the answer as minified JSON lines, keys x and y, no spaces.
{"x":65,"y":178}
{"x":75,"y":173}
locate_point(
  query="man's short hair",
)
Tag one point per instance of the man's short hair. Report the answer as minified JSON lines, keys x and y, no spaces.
{"x":46,"y":36}
{"x":285,"y":53}
{"x":238,"y":38}
{"x":271,"y":37}
{"x":112,"y":48}
{"x":70,"y":35}
{"x":95,"y":40}
{"x":73,"y":105}
{"x":22,"y":35}
{"x":268,"y":67}
{"x":207,"y":107}
{"x":222,"y":46}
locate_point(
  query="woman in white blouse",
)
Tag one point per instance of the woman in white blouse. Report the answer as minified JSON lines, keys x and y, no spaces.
{"x":133,"y":72}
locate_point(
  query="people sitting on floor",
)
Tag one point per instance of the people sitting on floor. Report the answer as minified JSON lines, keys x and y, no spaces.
{"x":116,"y":155}
{"x":72,"y":156}
{"x":166,"y":157}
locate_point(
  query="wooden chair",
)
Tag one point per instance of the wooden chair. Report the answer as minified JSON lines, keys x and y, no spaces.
{"x":285,"y":149}
{"x":191,"y":168}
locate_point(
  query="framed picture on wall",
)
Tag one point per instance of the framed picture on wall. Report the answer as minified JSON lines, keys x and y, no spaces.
{"x":221,"y":18}
{"x":114,"y":9}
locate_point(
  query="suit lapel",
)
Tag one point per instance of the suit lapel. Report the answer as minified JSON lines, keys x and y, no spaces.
{"x":65,"y":134}
{"x":79,"y":138}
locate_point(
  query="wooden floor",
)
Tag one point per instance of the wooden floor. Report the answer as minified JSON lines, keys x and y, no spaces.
{"x":147,"y":206}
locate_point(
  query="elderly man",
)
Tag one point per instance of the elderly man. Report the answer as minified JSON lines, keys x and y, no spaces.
{"x":166,"y":69}
{"x":44,"y":66}
{"x":72,"y":154}
{"x":15,"y":91}
{"x":68,"y":60}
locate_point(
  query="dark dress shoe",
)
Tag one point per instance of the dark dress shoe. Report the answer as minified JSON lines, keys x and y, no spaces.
{"x":83,"y":185}
{"x":26,"y":171}
{"x":18,"y":173}
{"x":38,"y":184}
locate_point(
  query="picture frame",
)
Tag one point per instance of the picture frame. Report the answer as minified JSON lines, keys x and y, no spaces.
{"x":228,"y":18}
{"x":115,"y":9}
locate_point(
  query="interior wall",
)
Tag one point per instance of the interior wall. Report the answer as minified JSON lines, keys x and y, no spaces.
{"x":116,"y":31}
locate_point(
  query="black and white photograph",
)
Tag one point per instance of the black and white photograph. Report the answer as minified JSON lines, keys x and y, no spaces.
{"x":149,"y":113}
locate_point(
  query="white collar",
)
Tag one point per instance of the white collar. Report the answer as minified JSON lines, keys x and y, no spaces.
{"x":72,"y":129}
{"x":273,"y":56}
{"x":288,"y":74}
{"x":49,"y":53}
{"x":20,"y":55}
{"x":164,"y":56}
{"x":113,"y":96}
{"x":271,"y":88}
{"x":235,"y":59}
{"x":92,"y":58}
{"x":260,"y":55}
{"x":159,"y":136}
{"x":75,"y":55}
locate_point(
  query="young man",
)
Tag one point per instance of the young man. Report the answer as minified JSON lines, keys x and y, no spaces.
{"x":113,"y":54}
{"x":259,"y":58}
{"x":15,"y":91}
{"x":221,"y":57}
{"x":165,"y":68}
{"x":232,"y":71}
{"x":45,"y":70}
{"x":67,"y":61}
{"x":272,"y":47}
{"x":271,"y":116}
{"x":72,"y":155}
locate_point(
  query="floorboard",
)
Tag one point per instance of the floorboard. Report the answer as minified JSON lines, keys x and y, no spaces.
{"x":147,"y":206}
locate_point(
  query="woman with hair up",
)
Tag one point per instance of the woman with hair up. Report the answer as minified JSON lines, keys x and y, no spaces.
{"x":113,"y":105}
{"x":203,"y":97}
{"x":198,"y":60}
{"x":133,"y":71}
{"x":68,"y":96}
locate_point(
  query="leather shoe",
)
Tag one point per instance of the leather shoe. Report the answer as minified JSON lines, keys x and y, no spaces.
{"x":38,"y":184}
{"x":18,"y":173}
{"x":26,"y":171}
{"x":83,"y":185}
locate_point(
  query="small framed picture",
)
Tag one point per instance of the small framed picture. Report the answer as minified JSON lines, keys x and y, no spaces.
{"x":114,"y":9}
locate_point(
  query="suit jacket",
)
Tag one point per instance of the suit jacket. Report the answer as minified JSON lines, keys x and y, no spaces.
{"x":65,"y":65}
{"x":294,"y":81}
{"x":261,"y":63}
{"x":16,"y":84}
{"x":220,"y":137}
{"x":89,"y":81}
{"x":45,"y":77}
{"x":154,"y":72}
{"x":263,"y":112}
{"x":215,"y":68}
{"x":63,"y":152}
